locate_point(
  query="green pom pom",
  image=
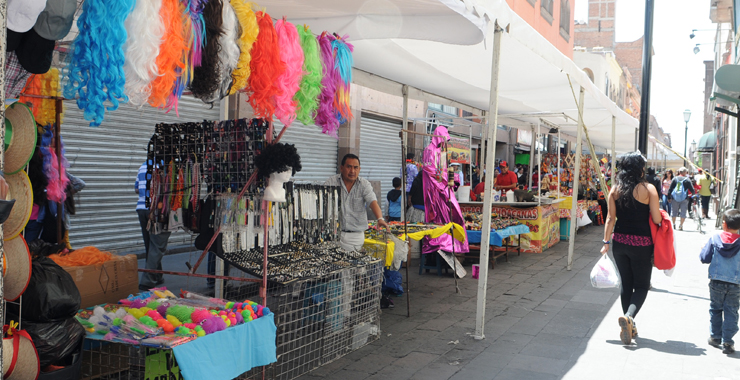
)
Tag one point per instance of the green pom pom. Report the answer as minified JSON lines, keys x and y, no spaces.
{"x":153,"y":305}
{"x":182,"y":313}
{"x":147,"y":320}
{"x":117,"y":322}
{"x":229,"y":304}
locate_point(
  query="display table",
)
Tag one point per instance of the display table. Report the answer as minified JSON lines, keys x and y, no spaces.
{"x":498,"y":244}
{"x":543,"y":222}
{"x":222,"y":355}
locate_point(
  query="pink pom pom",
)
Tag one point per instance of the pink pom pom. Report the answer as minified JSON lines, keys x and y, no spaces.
{"x":154,"y":315}
{"x":189,"y":325}
{"x":199,"y":315}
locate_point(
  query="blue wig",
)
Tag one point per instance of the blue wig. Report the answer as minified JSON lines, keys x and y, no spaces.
{"x":95,"y":68}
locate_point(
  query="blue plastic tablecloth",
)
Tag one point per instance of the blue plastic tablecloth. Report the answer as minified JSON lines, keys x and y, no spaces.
{"x":497,"y":236}
{"x":229,"y":353}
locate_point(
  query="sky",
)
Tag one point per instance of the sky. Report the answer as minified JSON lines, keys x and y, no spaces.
{"x":677,"y":74}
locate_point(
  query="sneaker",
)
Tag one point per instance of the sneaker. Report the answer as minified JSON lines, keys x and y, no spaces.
{"x":627,"y":325}
{"x":680,"y":228}
{"x":634,"y":329}
{"x":728,"y":348}
{"x":714,"y":342}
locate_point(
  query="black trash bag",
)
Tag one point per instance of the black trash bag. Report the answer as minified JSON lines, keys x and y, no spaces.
{"x":51,"y":294}
{"x":55,"y":341}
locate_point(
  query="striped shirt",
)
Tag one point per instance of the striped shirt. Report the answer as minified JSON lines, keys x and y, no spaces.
{"x":141,"y":185}
{"x":354,"y":203}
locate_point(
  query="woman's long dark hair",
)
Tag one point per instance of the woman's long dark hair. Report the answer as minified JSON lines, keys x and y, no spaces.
{"x":631,"y":173}
{"x":665,"y":175}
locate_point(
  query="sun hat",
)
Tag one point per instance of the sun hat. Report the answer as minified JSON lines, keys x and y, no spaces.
{"x":56,"y":19}
{"x":35,"y":53}
{"x":18,"y":274}
{"x":23,"y":137}
{"x":22,"y":14}
{"x":20,"y":189}
{"x":20,"y":359}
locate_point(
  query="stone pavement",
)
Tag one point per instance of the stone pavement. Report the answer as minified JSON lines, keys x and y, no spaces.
{"x":544,"y":322}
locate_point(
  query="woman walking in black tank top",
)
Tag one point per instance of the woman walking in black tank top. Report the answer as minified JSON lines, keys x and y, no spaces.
{"x":632,"y":202}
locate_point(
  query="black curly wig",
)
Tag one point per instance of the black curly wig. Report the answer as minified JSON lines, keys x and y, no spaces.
{"x":631,"y":173}
{"x":277,"y":158}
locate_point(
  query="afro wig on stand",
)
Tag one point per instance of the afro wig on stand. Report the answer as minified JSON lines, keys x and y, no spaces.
{"x":277,"y":158}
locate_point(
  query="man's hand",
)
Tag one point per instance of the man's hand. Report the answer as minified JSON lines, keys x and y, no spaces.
{"x":3,"y":188}
{"x":382,"y":223}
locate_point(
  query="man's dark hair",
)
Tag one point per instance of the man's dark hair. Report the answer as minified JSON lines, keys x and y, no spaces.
{"x":651,"y":171}
{"x":348,"y":156}
{"x":410,"y":156}
{"x":396,"y":182}
{"x":732,"y":218}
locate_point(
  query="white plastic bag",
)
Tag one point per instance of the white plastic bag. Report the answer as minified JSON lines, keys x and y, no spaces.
{"x":604,"y":275}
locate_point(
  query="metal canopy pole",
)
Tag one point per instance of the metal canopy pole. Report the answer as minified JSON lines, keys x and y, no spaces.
{"x":404,"y":178}
{"x":558,"y":173}
{"x":647,"y":59}
{"x":3,"y":34}
{"x":614,"y":151}
{"x":539,"y":161}
{"x":532,"y":143}
{"x":576,"y":180}
{"x":492,"y":128}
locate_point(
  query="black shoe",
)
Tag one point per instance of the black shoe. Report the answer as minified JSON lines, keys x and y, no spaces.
{"x":386,"y":302}
{"x":714,"y":342}
{"x":728,"y":348}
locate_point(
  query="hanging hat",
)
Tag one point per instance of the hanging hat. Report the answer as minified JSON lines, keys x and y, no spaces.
{"x":22,"y":14}
{"x":56,"y":20}
{"x":20,"y":359}
{"x":22,"y":141}
{"x":20,"y":190}
{"x":18,"y":273}
{"x":35,"y":52}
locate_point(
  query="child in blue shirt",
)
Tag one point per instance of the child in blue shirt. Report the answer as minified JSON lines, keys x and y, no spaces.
{"x":720,"y":253}
{"x":394,"y":201}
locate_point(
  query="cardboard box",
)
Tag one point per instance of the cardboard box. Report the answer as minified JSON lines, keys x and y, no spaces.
{"x":107,"y":282}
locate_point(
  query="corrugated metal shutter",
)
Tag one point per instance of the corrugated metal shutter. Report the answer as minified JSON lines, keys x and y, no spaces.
{"x":318,"y":151}
{"x":107,"y":158}
{"x":380,"y":153}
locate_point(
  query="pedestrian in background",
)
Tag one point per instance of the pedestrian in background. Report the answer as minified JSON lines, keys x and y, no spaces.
{"x":666,"y":198}
{"x":705,"y":192}
{"x":394,"y":201}
{"x":632,"y":202}
{"x":680,"y":190}
{"x":720,"y":253}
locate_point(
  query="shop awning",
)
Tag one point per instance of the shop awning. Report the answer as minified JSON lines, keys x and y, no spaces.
{"x":707,"y":142}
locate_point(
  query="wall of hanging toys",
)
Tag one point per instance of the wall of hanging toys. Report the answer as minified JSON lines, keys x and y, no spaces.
{"x":160,"y":50}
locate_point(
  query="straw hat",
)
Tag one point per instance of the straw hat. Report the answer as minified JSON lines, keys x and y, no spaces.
{"x":20,"y":189}
{"x":18,"y":273}
{"x":22,"y":140}
{"x":20,"y":359}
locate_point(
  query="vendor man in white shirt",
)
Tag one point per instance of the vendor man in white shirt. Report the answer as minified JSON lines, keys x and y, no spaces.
{"x":357,"y":194}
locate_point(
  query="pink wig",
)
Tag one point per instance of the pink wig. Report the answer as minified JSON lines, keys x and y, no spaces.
{"x":291,"y":54}
{"x":325,"y":117}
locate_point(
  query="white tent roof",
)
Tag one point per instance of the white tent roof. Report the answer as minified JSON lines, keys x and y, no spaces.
{"x":437,"y":46}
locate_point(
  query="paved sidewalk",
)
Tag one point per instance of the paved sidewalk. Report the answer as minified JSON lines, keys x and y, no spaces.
{"x":544,"y":322}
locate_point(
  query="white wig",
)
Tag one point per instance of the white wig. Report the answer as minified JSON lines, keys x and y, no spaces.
{"x":145,"y":31}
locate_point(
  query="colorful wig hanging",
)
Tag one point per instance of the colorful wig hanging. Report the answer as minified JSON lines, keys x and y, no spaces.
{"x":228,"y":56}
{"x":265,"y":67}
{"x":172,"y":53}
{"x":306,"y":98}
{"x":194,"y":32}
{"x":205,"y":81}
{"x":343,"y":64}
{"x":145,"y":30}
{"x":289,"y":81}
{"x":56,"y":185}
{"x":325,"y":116}
{"x":249,"y":29}
{"x":44,"y":110}
{"x":95,"y":68}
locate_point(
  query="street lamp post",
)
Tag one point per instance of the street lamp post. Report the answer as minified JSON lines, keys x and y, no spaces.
{"x":694,"y":158}
{"x":686,"y":117}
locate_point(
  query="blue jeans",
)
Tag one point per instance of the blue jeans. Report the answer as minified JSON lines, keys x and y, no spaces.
{"x":157,"y":248}
{"x":666,"y":204}
{"x":724,"y":297}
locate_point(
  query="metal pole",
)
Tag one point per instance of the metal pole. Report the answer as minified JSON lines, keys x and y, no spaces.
{"x":58,"y":141}
{"x":576,"y":174}
{"x":470,"y":157}
{"x":685,"y":142}
{"x":404,"y":178}
{"x":480,"y":317}
{"x":532,"y":143}
{"x":614,"y":151}
{"x":3,"y":35}
{"x":558,"y":173}
{"x":219,"y":283}
{"x":647,"y":59}
{"x":539,"y":160}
